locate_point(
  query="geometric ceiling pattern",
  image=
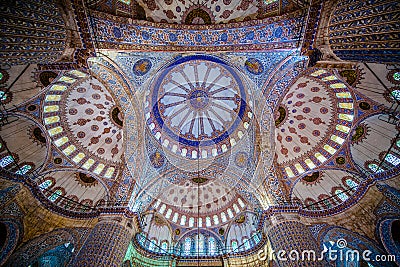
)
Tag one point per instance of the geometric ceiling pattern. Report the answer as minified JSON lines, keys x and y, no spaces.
{"x":183,"y":140}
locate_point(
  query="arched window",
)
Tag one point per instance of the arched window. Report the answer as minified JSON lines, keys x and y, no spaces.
{"x":374,"y":168}
{"x":24,"y":169}
{"x":5,"y":161}
{"x":340,"y":194}
{"x":246,"y":243}
{"x":199,"y":244}
{"x":351,"y":183}
{"x":46,"y":184}
{"x":396,"y":94}
{"x":86,"y":205}
{"x":215,"y":219}
{"x":392,"y":159}
{"x":191,"y":222}
{"x":326,"y":201}
{"x":70,"y":202}
{"x":183,"y":220}
{"x":212,"y":246}
{"x":234,"y":245}
{"x":256,"y":237}
{"x":187,"y":246}
{"x":223,"y":217}
{"x":208,"y":221}
{"x":164,"y":246}
{"x":56,"y":194}
{"x":152,"y":244}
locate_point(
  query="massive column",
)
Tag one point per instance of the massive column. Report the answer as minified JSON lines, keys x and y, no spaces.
{"x":106,"y":245}
{"x":292,"y":242}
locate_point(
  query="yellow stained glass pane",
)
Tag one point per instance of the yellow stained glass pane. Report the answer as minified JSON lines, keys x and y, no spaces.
{"x":53,"y":98}
{"x":318,"y":72}
{"x":346,"y":117}
{"x":78,"y":157}
{"x":88,"y":164}
{"x":67,"y":79}
{"x":57,"y":87}
{"x":337,"y":85}
{"x":320,"y":157}
{"x":299,"y":168}
{"x":61,"y":141}
{"x":52,"y":119}
{"x":337,"y":139}
{"x":310,"y":163}
{"x":109,"y":172}
{"x":343,"y":128}
{"x":289,"y":172}
{"x":346,"y":105}
{"x":329,"y":78}
{"x":77,"y":73}
{"x":99,"y":168}
{"x":53,"y":108}
{"x":343,"y":95}
{"x":55,"y":131}
{"x":330,"y":149}
{"x":68,"y":151}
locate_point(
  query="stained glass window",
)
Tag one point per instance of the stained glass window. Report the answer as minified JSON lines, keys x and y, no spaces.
{"x":234,"y":245}
{"x":208,"y":221}
{"x":187,"y":246}
{"x":212,"y":246}
{"x":223,"y":217}
{"x":230,"y":213}
{"x":55,"y":195}
{"x":267,"y":2}
{"x":152,"y":245}
{"x":256,"y":238}
{"x":396,"y":94}
{"x":215,"y":219}
{"x":183,"y":219}
{"x":392,"y":159}
{"x":327,"y":203}
{"x":6,"y":161}
{"x":164,"y":246}
{"x":44,"y":185}
{"x":396,"y":76}
{"x":125,"y":1}
{"x":374,"y":168}
{"x":168,"y":215}
{"x":24,"y":169}
{"x":351,"y":183}
{"x":340,"y":194}
{"x":3,"y":96}
{"x":199,"y":243}
{"x":191,"y":222}
{"x":246,"y":243}
{"x":235,"y":207}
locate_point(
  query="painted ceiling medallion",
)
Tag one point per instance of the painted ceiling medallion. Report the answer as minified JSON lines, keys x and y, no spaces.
{"x":198,"y":107}
{"x":85,"y":179}
{"x":312,"y":179}
{"x":3,"y":76}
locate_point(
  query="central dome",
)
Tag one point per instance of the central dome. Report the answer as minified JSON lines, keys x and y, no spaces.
{"x":198,"y":107}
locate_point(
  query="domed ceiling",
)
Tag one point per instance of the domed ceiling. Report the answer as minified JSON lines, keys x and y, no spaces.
{"x":198,"y":107}
{"x":199,"y":12}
